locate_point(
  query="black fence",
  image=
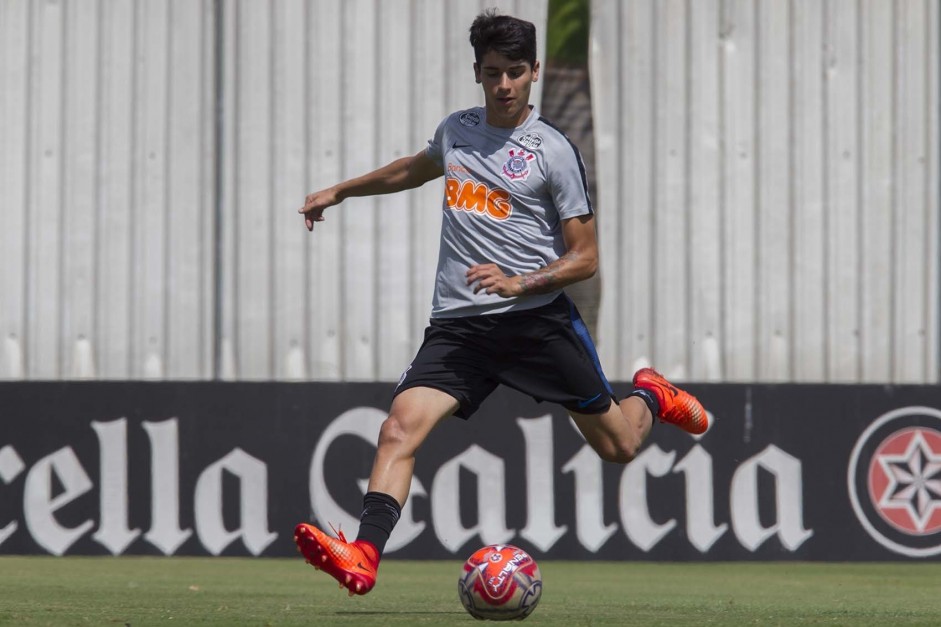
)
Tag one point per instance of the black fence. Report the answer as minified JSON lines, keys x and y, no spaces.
{"x":789,"y":472}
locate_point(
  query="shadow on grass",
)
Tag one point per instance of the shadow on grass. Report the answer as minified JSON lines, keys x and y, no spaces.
{"x":398,"y":612}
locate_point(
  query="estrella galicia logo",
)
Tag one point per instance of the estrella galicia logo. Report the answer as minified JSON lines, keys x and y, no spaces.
{"x":469,"y":118}
{"x":894,"y":481}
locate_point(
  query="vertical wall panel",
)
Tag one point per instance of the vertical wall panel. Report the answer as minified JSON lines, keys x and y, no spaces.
{"x":461,"y":90}
{"x":15,"y":34}
{"x":637,"y":58}
{"x":188,"y":290}
{"x":357,"y":43}
{"x":150,"y":191}
{"x":395,"y":340}
{"x":45,"y":207}
{"x":875,"y":202}
{"x":80,"y":198}
{"x":116,"y":212}
{"x":841,"y":178}
{"x":252,"y":212}
{"x":932,"y":193}
{"x":227,"y":165}
{"x":325,"y":152}
{"x":807,"y":197}
{"x":772,"y":223}
{"x":738,"y":196}
{"x":824,"y":209}
{"x":429,"y":99}
{"x":607,"y":35}
{"x":289,"y":72}
{"x":209,"y":209}
{"x":670,"y":160}
{"x":918,"y":217}
{"x":705,"y":257}
{"x":636,"y":227}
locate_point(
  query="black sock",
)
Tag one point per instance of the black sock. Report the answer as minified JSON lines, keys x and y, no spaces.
{"x":648,"y":397}
{"x":380,"y":513}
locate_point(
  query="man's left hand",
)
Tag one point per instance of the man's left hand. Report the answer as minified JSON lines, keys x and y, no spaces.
{"x":490,"y":278}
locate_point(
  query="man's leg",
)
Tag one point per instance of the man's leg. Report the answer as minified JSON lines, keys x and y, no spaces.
{"x":415,"y":412}
{"x":618,"y":433}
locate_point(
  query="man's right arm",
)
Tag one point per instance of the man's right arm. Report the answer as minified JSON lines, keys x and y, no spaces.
{"x":405,"y":173}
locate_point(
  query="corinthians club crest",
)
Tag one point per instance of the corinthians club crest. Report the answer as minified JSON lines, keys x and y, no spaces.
{"x":894,"y":481}
{"x":516,"y":167}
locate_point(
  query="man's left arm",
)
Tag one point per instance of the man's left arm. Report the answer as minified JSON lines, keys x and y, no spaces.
{"x":579,"y":262}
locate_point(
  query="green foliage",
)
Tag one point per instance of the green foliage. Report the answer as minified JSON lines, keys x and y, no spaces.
{"x":244,"y":591}
{"x":567,"y":31}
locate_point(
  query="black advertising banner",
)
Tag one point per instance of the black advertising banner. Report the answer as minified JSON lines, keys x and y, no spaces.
{"x":802,"y":472}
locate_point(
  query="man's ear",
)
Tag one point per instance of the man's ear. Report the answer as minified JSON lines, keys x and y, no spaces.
{"x":477,"y":73}
{"x":536,"y":71}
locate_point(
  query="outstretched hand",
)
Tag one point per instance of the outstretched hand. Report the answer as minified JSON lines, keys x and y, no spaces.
{"x":314,"y":205}
{"x":490,"y":278}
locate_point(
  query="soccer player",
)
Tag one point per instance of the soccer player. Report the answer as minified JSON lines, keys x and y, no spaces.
{"x":517,"y":227}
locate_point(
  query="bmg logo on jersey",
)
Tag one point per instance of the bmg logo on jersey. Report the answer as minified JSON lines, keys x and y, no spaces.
{"x":894,"y":481}
{"x":477,"y":198}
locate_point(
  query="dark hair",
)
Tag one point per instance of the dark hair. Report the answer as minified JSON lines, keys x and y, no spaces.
{"x":510,"y":36}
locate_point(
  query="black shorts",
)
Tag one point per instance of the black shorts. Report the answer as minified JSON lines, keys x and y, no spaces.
{"x":545,"y":352}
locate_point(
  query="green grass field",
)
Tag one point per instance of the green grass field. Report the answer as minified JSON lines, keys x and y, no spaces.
{"x":230,"y":591}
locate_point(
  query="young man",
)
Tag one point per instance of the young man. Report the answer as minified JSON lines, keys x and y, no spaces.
{"x":517,"y":227}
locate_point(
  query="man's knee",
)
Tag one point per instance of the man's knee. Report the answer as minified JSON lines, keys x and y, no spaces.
{"x":618,"y":451}
{"x":393,"y":432}
{"x":414,"y":413}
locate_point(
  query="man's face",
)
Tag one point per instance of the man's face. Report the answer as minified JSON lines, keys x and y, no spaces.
{"x":506,"y":84}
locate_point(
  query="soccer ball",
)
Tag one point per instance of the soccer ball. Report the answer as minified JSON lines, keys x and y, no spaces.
{"x":500,"y":582}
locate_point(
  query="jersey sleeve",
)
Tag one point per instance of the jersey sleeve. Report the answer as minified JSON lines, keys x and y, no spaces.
{"x":435,"y":148}
{"x":568,"y":181}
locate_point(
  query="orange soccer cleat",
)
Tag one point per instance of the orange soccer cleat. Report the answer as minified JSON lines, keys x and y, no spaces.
{"x":676,"y":406}
{"x":353,"y":564}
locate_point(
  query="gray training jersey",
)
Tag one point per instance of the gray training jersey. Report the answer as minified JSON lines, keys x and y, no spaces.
{"x":507,"y":191}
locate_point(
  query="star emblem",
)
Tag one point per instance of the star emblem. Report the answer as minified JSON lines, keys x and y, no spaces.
{"x":914,"y":483}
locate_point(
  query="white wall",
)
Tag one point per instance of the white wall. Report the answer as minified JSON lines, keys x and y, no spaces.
{"x":318,"y":92}
{"x":109,"y":153}
{"x":106,"y":189}
{"x":768,"y":188}
{"x":767,"y":175}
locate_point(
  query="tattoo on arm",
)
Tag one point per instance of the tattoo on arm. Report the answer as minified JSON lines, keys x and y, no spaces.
{"x":548,"y":279}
